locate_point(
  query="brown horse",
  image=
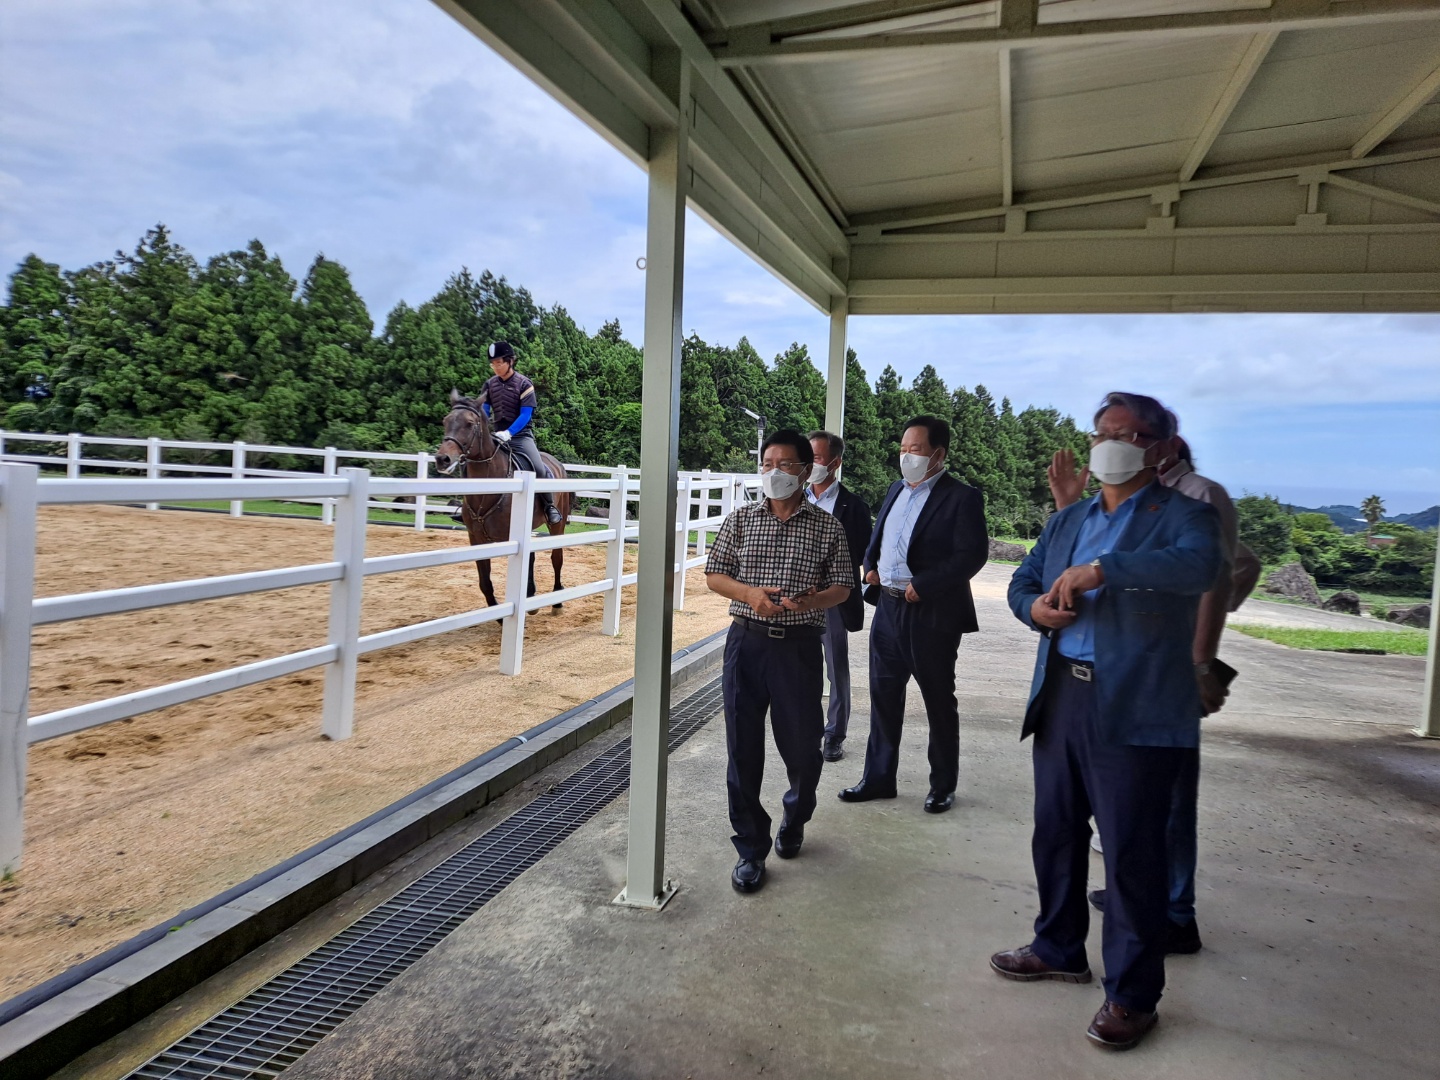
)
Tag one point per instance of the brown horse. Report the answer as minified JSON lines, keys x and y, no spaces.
{"x":469,"y":442}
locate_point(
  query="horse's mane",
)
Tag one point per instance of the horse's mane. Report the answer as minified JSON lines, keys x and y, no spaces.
{"x":472,"y":404}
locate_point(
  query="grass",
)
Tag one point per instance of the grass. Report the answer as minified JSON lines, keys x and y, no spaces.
{"x":1401,"y":641}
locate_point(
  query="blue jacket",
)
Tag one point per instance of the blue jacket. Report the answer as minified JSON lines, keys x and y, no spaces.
{"x":948,"y":547}
{"x":1165,"y":560}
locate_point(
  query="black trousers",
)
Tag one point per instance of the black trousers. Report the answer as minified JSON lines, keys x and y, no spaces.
{"x":784,"y":676}
{"x":1128,"y":790}
{"x":900,"y":648}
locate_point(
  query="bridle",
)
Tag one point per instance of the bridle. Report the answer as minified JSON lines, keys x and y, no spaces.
{"x":465,"y":455}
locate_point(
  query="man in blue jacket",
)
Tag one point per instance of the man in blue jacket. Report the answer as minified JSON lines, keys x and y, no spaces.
{"x":1113,"y":586}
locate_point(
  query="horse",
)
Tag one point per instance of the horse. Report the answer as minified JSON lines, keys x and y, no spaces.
{"x":470,"y":441}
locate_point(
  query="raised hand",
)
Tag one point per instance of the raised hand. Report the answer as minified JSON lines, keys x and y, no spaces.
{"x":1067,"y":484}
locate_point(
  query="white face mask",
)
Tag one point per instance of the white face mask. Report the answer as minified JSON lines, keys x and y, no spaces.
{"x":913,"y":467}
{"x":779,"y":484}
{"x":819,"y":474}
{"x":1115,"y":462}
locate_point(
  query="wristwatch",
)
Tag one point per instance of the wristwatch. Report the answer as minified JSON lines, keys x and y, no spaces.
{"x":1202,"y":667}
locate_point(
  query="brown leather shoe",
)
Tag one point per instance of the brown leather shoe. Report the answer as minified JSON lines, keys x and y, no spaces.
{"x":1024,"y":966}
{"x":1118,"y":1028}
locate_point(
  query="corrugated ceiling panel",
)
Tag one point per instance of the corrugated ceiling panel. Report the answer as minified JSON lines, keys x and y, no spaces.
{"x":1321,"y":90}
{"x":1109,"y":112}
{"x":886,"y":130}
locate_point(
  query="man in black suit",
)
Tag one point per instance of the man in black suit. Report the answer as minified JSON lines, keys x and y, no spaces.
{"x":853,"y":514}
{"x":929,"y":541}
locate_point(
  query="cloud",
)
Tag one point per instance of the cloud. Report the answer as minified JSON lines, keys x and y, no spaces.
{"x":383,"y":134}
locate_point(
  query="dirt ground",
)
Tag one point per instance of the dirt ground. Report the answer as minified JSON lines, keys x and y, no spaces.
{"x":130,"y":823}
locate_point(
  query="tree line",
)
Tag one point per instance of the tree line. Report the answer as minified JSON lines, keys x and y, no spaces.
{"x":153,"y":343}
{"x":1402,"y":564}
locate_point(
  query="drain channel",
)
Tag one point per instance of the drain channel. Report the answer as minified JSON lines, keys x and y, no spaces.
{"x":267,"y":1031}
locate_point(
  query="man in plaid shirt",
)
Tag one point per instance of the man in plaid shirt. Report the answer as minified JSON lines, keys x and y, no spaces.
{"x":781,"y":562}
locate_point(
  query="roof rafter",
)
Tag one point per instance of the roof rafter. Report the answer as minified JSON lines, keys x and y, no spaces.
{"x":1239,"y":81}
{"x":1401,"y":111}
{"x":771,"y":42}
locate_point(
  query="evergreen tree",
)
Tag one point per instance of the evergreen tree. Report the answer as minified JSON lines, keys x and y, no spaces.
{"x":864,"y":470}
{"x":34,"y":334}
{"x":894,"y":405}
{"x":796,"y":392}
{"x":336,"y":361}
{"x":702,"y":435}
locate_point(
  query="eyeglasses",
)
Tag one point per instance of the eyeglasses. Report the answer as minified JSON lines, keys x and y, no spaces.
{"x":788,"y":466}
{"x":1132,"y":437}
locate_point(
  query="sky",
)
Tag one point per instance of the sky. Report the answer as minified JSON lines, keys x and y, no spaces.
{"x":382,"y":134}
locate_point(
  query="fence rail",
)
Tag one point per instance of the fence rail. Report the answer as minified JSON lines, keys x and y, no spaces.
{"x":703,"y":500}
{"x":71,"y":456}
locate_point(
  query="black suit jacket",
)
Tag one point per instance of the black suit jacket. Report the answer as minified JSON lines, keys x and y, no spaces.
{"x":948,"y":546}
{"x":853,"y":514}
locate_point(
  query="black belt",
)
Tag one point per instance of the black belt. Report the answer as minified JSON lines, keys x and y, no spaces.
{"x":1078,"y":669}
{"x":774,"y":630}
{"x":888,"y":590}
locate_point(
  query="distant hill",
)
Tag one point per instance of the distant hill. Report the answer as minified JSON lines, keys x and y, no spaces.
{"x":1350,"y":520}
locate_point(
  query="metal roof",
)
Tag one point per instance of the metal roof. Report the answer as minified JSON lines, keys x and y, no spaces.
{"x":1007,"y":156}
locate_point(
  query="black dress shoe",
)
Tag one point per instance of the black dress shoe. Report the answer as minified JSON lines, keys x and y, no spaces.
{"x":1097,"y":900}
{"x":788,"y":840}
{"x":863,"y":792}
{"x":935,"y":803}
{"x":552,"y":515}
{"x":833,"y":752}
{"x":1182,"y":939}
{"x":748,"y":875}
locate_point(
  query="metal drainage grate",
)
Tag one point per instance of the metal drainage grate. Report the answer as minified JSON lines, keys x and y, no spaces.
{"x":266,"y":1032}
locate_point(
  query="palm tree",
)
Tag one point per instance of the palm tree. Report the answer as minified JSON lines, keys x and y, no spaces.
{"x":1372,"y":510}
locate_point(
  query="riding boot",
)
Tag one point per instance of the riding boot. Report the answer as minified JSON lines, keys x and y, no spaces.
{"x":552,"y":512}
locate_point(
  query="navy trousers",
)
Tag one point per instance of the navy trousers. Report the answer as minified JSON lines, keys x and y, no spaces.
{"x":900,"y":648}
{"x":1128,"y":790}
{"x":837,"y":670}
{"x":784,"y":676}
{"x":1180,"y":840}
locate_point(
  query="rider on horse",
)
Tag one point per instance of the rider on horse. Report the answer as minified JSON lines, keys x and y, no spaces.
{"x":509,"y":402}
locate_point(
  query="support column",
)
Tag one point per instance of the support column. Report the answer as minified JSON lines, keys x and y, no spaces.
{"x":835,"y":375}
{"x":18,"y":487}
{"x":669,"y":169}
{"x":1430,"y":704}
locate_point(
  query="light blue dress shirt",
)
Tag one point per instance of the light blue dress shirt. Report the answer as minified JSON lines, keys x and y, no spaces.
{"x":1098,"y":535}
{"x":826,"y":501}
{"x":899,"y":526}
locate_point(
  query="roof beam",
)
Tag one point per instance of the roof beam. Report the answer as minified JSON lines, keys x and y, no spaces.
{"x":1250,"y":62}
{"x":1401,"y":111}
{"x":845,"y":18}
{"x":874,"y":224}
{"x":1142,"y":285}
{"x":1396,"y":198}
{"x":770,"y":42}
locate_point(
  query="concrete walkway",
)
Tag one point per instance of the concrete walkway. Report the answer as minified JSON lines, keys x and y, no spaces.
{"x":866,"y":957}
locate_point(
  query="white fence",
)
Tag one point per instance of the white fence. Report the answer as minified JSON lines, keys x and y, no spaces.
{"x":160,"y":461}
{"x":702,"y":502}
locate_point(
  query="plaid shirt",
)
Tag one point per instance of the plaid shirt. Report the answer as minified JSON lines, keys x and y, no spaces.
{"x":806,"y":550}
